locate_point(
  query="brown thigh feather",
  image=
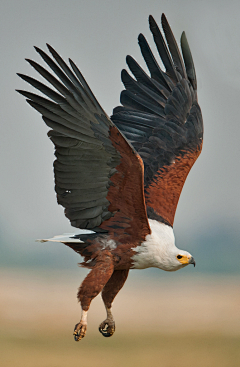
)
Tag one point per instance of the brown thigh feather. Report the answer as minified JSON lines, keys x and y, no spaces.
{"x":113,"y":286}
{"x":96,"y":279}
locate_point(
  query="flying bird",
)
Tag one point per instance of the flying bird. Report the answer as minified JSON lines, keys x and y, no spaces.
{"x":121,"y":176}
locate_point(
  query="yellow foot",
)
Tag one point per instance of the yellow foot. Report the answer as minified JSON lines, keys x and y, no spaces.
{"x":79,"y":331}
{"x":107,"y":328}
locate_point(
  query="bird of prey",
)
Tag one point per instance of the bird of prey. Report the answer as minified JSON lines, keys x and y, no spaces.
{"x":121,"y":176}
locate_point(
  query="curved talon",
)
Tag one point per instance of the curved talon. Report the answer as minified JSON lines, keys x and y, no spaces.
{"x":79,"y":331}
{"x":107,"y":328}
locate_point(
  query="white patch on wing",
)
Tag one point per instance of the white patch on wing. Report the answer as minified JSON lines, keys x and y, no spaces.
{"x":158,"y":250}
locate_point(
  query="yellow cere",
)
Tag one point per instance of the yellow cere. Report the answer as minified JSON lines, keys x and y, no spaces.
{"x":183,"y":259}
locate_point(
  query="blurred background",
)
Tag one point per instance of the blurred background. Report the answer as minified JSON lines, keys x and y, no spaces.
{"x":186,"y":318}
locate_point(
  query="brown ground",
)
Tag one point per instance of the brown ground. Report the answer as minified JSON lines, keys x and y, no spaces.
{"x":181,"y":321}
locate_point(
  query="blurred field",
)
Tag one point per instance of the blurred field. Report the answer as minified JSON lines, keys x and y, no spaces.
{"x":175,"y":321}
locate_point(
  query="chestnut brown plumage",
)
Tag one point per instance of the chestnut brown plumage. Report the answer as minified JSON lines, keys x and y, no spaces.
{"x":121,"y":177}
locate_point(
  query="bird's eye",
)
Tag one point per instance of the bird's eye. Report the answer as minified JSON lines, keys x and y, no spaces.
{"x":179,"y":256}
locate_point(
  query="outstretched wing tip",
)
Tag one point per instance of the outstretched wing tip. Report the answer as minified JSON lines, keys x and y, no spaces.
{"x":128,"y":58}
{"x":163,"y":18}
{"x":151,"y":21}
{"x":140,"y":37}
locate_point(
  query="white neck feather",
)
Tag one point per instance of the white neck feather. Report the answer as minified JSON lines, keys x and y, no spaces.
{"x":158,"y":250}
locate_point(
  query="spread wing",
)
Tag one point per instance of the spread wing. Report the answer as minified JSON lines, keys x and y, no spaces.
{"x":161,"y":117}
{"x":98,"y":174}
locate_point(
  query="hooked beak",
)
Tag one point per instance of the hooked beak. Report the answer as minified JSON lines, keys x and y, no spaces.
{"x":192,"y":261}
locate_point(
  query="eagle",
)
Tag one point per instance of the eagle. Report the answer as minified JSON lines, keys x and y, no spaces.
{"x":120,"y":177}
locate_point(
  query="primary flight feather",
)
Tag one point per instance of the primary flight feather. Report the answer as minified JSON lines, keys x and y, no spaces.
{"x":121,"y":177}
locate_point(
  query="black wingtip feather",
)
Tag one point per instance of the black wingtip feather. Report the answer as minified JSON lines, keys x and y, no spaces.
{"x":43,"y":54}
{"x":173,"y":47}
{"x":53,"y":52}
{"x":31,"y":62}
{"x":140,"y":37}
{"x":150,"y":18}
{"x":163,"y":18}
{"x":163,"y":50}
{"x":188,"y":60}
{"x":29,"y":101}
{"x":20,"y":91}
{"x":38,"y":50}
{"x":25,"y":78}
{"x":152,"y":22}
{"x":128,"y":59}
{"x":51,"y":49}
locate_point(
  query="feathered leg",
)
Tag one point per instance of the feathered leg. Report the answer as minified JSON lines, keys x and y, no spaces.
{"x":109,"y":292}
{"x":90,"y":288}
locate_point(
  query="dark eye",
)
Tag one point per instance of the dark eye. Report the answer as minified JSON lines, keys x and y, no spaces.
{"x":179,"y":256}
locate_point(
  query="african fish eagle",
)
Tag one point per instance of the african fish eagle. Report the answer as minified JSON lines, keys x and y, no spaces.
{"x":121,"y":177}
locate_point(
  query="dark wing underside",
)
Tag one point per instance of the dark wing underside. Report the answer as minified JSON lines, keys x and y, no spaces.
{"x":161,"y":118}
{"x":98,"y":174}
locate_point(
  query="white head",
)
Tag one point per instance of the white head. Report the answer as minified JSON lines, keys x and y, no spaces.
{"x":179,"y":259}
{"x":159,"y":250}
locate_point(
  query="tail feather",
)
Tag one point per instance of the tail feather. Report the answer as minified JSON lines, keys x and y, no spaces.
{"x":67,"y":238}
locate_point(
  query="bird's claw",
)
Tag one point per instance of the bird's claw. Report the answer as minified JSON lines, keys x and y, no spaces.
{"x":107,"y":328}
{"x":79,"y":331}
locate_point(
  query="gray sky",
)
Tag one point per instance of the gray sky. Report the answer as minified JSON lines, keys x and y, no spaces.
{"x":98,"y":35}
